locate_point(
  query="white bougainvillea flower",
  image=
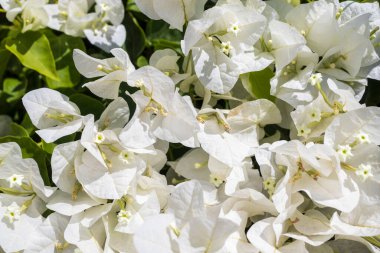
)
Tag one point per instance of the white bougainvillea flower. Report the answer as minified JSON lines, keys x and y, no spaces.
{"x":214,"y":47}
{"x":262,"y":236}
{"x":132,"y":211}
{"x":33,"y":15}
{"x":69,"y":204}
{"x":250,"y":201}
{"x":291,"y":83}
{"x":106,"y":37}
{"x":363,"y":220}
{"x":111,"y":10}
{"x":86,"y":230}
{"x":231,"y":139}
{"x":70,"y":17}
{"x":189,"y":226}
{"x":70,"y":198}
{"x":52,"y":113}
{"x":9,"y":152}
{"x":19,"y":219}
{"x":106,"y":30}
{"x":136,"y":134}
{"x":314,"y":20}
{"x":283,"y":42}
{"x":63,"y":165}
{"x":101,"y":136}
{"x":166,"y":61}
{"x":194,"y":165}
{"x":113,"y":71}
{"x":175,"y":12}
{"x":304,"y":172}
{"x":28,"y":173}
{"x":368,"y":14}
{"x":108,"y":182}
{"x":313,"y":227}
{"x":170,"y":116}
{"x":344,"y":129}
{"x":49,"y":236}
{"x":344,"y":60}
{"x":12,"y":7}
{"x":315,"y":117}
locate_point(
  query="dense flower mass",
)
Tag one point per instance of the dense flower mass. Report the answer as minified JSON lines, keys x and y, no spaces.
{"x":250,"y":138}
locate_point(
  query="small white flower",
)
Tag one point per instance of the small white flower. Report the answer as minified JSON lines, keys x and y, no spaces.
{"x":104,"y":7}
{"x":216,"y":180}
{"x":234,"y":28}
{"x":13,"y":212}
{"x":226,"y":47}
{"x":126,"y":156}
{"x":124,"y":216}
{"x":315,"y":79}
{"x":362,"y":138}
{"x":344,"y":152}
{"x":304,"y":131}
{"x":364,"y":171}
{"x":15,"y":179}
{"x":314,"y":114}
{"x":269,"y":185}
{"x":99,"y":138}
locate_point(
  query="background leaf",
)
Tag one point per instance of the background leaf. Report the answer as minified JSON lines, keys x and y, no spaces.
{"x":88,"y":105}
{"x":258,"y":83}
{"x":62,"y":47}
{"x":135,"y":42}
{"x":33,"y":50}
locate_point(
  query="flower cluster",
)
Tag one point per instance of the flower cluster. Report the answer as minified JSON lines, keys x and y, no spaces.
{"x":102,"y":27}
{"x":296,"y":170}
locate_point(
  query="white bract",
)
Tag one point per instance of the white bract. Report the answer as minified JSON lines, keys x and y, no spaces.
{"x":112,"y":71}
{"x":215,"y":48}
{"x":175,"y":12}
{"x":52,"y":113}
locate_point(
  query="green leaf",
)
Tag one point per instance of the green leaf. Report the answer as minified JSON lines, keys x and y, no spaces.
{"x":141,"y":62}
{"x":17,"y":130}
{"x":160,"y":36}
{"x":30,"y":149}
{"x":48,"y":147}
{"x":131,"y":6}
{"x":33,"y":50}
{"x":27,"y":124}
{"x":62,"y":47}
{"x":87,"y":104}
{"x":258,"y":83}
{"x":5,"y":108}
{"x":4,"y":58}
{"x":135,"y":42}
{"x":158,"y":29}
{"x":14,"y":88}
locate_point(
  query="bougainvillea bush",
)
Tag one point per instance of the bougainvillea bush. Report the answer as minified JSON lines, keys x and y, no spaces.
{"x":189,"y":126}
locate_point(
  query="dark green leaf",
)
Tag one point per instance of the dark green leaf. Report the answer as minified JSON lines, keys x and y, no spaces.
{"x":135,"y":42}
{"x":4,"y":58}
{"x":88,"y":105}
{"x":141,"y":62}
{"x":258,"y":83}
{"x":14,"y":88}
{"x":62,"y":47}
{"x":17,"y":130}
